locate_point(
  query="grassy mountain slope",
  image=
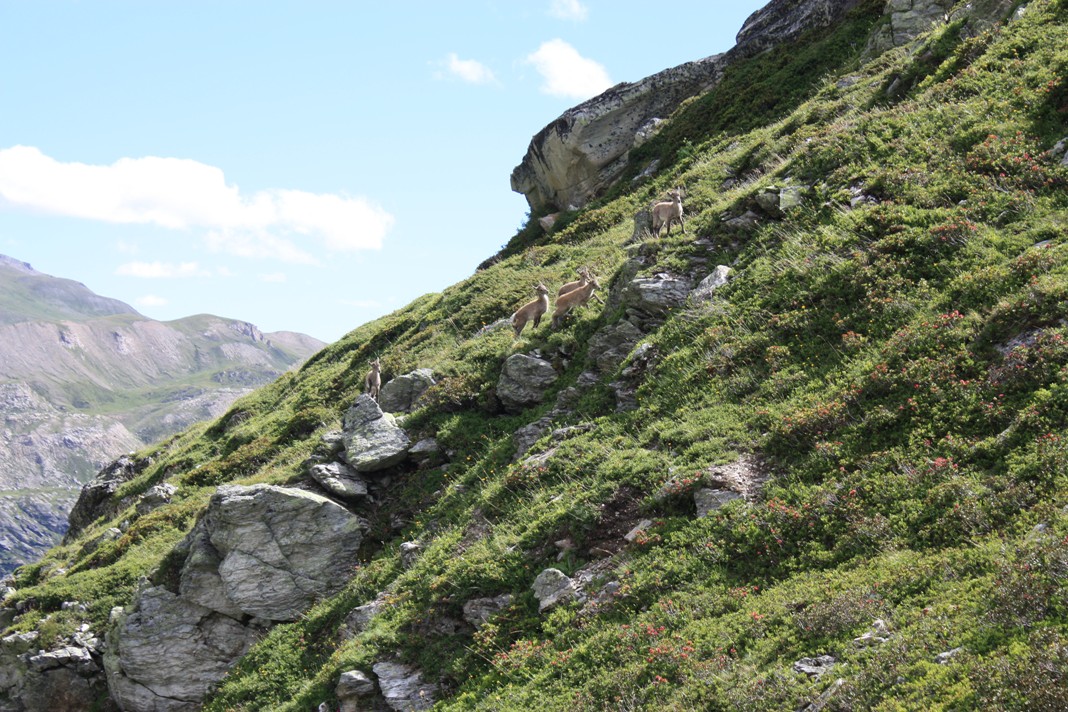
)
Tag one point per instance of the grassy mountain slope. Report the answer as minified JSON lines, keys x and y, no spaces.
{"x":899,"y":367}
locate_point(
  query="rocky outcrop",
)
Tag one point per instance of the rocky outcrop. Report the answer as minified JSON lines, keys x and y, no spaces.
{"x":478,"y":611}
{"x":339,"y":480}
{"x":354,"y":688}
{"x":553,"y":587}
{"x":401,"y":394}
{"x":704,"y":290}
{"x":908,"y":19}
{"x":67,"y":678}
{"x":585,"y":150}
{"x":372,"y":439}
{"x":258,"y":555}
{"x":782,"y":21}
{"x":524,"y":381}
{"x":96,"y":499}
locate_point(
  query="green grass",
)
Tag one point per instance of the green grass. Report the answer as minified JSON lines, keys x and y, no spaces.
{"x":901,"y":368}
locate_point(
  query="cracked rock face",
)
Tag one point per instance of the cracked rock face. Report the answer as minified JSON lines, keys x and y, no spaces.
{"x":260,"y":552}
{"x":278,"y":550}
{"x":524,"y":380}
{"x":165,"y":653}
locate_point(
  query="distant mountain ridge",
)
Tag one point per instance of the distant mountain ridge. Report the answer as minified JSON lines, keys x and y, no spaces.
{"x":84,"y":378}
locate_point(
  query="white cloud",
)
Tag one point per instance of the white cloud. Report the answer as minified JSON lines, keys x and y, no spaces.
{"x":566,"y":73}
{"x":276,"y":277}
{"x":160,"y":270}
{"x":568,"y":10}
{"x":151,"y":300}
{"x":180,"y":194}
{"x":467,"y":70}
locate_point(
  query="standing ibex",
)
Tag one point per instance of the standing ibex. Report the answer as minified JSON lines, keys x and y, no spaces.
{"x":667,"y":212}
{"x":574,"y":298}
{"x":373,"y":381}
{"x":584,"y":274}
{"x":531,"y":310}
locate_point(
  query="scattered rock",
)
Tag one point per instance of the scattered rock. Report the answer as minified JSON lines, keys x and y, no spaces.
{"x":823,"y":699}
{"x":409,"y":553}
{"x":403,"y":687}
{"x":401,"y":394}
{"x":427,"y":452}
{"x":718,"y":278}
{"x":524,"y":381}
{"x":553,"y":587}
{"x":638,"y":529}
{"x":877,"y":635}
{"x":352,"y":688}
{"x":651,"y":298}
{"x":944,"y":658}
{"x":95,"y":499}
{"x":610,"y":345}
{"x":156,"y":497}
{"x":709,"y":500}
{"x":745,"y":223}
{"x":373,"y":440}
{"x":815,"y":667}
{"x":478,"y":611}
{"x":360,"y":617}
{"x":339,"y":480}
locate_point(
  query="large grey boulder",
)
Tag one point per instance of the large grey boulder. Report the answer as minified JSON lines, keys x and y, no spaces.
{"x":401,"y":394}
{"x":156,"y":497}
{"x":164,"y":653}
{"x":372,"y":439}
{"x":278,"y":550}
{"x":908,"y":19}
{"x":403,"y":687}
{"x":523,"y":382}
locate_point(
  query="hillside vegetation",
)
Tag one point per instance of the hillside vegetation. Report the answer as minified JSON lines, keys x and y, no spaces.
{"x":889,"y":362}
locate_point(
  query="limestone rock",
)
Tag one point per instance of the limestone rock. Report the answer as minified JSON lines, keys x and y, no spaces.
{"x":944,"y":658}
{"x":409,"y":553}
{"x":478,"y":611}
{"x":553,"y":587}
{"x":403,"y":687}
{"x":585,"y":150}
{"x":339,"y":479}
{"x":373,"y":440}
{"x":908,"y":19}
{"x":279,"y":550}
{"x":877,"y":635}
{"x":164,"y":653}
{"x":744,"y":223}
{"x":708,"y":285}
{"x":156,"y":497}
{"x":638,"y":529}
{"x":353,"y":687}
{"x":401,"y":394}
{"x":524,"y":380}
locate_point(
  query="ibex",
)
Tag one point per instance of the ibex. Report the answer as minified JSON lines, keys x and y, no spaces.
{"x":373,"y":381}
{"x":584,"y":274}
{"x":667,"y":212}
{"x":531,"y":310}
{"x":574,"y":298}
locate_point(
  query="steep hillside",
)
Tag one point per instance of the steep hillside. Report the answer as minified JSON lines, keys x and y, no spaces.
{"x":808,"y":454}
{"x":84,"y":378}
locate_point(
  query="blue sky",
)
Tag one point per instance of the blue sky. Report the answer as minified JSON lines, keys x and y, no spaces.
{"x":306,"y":166}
